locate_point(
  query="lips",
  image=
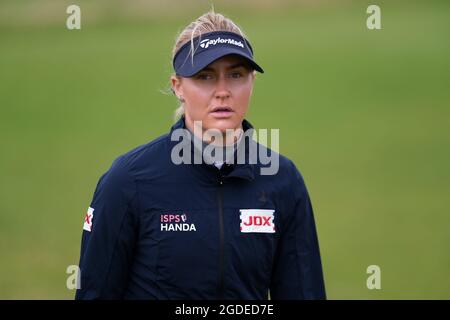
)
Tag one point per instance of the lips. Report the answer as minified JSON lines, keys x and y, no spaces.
{"x":221,"y":112}
{"x":222,"y":109}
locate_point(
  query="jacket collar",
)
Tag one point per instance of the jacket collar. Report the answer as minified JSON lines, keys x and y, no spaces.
{"x":237,"y":170}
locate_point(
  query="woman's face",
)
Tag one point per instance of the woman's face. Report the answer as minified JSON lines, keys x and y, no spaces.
{"x":218,"y":95}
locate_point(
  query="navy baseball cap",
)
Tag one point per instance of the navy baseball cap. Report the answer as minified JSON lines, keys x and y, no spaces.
{"x":208,"y":47}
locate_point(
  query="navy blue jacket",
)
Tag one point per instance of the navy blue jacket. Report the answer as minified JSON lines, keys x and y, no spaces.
{"x":156,"y":230}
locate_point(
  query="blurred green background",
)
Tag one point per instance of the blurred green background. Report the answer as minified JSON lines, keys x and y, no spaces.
{"x":365,"y":115}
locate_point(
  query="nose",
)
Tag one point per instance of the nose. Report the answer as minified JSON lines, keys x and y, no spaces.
{"x":222,"y":90}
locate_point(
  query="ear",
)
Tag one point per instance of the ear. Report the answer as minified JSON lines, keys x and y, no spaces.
{"x":253,"y":81}
{"x":176,"y":85}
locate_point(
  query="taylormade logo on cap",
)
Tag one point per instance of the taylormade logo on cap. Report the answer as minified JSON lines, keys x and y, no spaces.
{"x":206,"y":42}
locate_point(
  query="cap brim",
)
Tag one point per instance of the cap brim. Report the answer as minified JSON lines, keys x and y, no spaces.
{"x":203,"y":59}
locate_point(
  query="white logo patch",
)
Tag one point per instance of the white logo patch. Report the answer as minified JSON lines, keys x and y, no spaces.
{"x":88,"y":219}
{"x":257,"y":220}
{"x":212,"y":42}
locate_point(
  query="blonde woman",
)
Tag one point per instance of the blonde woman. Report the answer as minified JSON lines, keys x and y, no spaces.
{"x":163,"y":225}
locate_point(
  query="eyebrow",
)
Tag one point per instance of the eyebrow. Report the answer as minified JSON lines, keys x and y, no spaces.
{"x":233,"y":66}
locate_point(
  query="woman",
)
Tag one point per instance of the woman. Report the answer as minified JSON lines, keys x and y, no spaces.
{"x":161,"y":226}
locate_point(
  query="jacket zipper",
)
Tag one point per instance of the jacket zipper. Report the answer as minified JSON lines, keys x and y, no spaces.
{"x":221,"y":286}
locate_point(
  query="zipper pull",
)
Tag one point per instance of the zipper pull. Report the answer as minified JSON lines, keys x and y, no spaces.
{"x":220,"y":178}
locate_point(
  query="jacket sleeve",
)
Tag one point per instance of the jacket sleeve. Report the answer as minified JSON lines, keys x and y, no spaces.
{"x":297,"y":271}
{"x":108,"y":238}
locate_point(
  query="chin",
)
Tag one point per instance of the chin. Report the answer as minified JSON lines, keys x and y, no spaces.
{"x":223,"y":124}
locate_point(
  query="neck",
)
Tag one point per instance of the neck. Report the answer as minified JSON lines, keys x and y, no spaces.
{"x":212,"y":136}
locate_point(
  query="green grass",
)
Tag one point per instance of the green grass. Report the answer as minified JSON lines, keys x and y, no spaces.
{"x":364,"y":114}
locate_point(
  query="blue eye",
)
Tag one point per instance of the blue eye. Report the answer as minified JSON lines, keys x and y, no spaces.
{"x":236,"y":75}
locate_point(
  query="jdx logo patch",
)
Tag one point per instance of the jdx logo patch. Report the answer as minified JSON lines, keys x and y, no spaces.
{"x":88,"y":219}
{"x":257,"y":220}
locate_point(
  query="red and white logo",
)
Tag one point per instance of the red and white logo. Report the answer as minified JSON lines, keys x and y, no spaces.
{"x":257,"y":220}
{"x":88,"y":219}
{"x":176,"y":222}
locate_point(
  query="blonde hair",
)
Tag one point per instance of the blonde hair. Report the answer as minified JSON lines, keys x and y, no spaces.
{"x":208,"y":22}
